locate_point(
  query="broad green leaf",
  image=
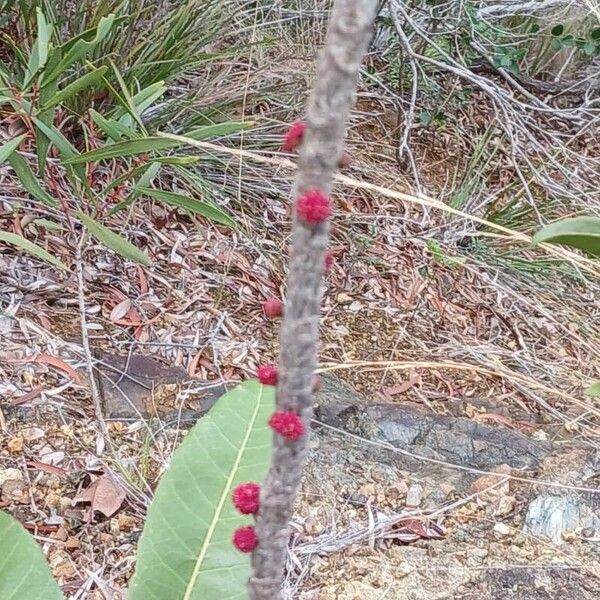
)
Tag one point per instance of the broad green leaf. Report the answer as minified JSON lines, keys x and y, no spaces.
{"x":24,"y":573}
{"x":197,"y":207}
{"x":125,"y":148}
{"x":593,"y":390}
{"x":31,"y":248}
{"x":29,"y":180}
{"x":77,"y":86}
{"x":185,"y":552}
{"x":578,"y":232}
{"x":113,"y":241}
{"x":9,"y":147}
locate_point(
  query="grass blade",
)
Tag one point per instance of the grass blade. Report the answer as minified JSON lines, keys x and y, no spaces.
{"x":30,"y":248}
{"x":9,"y":147}
{"x":197,"y":207}
{"x":29,"y":180}
{"x":113,"y":241}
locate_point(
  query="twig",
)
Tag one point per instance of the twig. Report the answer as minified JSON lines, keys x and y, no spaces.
{"x":349,"y":32}
{"x":85,"y":342}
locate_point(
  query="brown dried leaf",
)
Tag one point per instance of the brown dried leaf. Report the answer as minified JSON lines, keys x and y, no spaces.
{"x":104,"y":495}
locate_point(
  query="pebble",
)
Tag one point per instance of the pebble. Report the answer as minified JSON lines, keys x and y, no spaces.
{"x":502,"y":529}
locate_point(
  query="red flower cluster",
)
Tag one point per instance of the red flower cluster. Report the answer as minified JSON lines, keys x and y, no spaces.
{"x":246,"y":498}
{"x":287,"y":424}
{"x":267,"y":375}
{"x":245,"y":539}
{"x":294,"y":136}
{"x":273,"y":308}
{"x":313,"y":207}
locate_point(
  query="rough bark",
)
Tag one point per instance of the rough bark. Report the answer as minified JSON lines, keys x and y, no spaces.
{"x":333,"y":95}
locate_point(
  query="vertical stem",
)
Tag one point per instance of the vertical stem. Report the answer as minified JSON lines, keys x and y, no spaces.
{"x":338,"y":68}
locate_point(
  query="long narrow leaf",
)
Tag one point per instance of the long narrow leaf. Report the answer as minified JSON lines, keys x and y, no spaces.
{"x":185,"y":552}
{"x":197,"y":207}
{"x":9,"y":147}
{"x":113,"y":241}
{"x":82,"y":83}
{"x":24,"y":573}
{"x":126,"y":148}
{"x":29,"y":180}
{"x":579,"y":232}
{"x":31,"y":248}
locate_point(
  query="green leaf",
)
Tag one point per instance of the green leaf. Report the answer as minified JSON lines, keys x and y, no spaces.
{"x":31,"y":248}
{"x":557,"y":30}
{"x":28,"y":179}
{"x":197,"y":207}
{"x":66,"y":149}
{"x":9,"y":147}
{"x":24,"y":573}
{"x":589,"y":48}
{"x":113,"y":129}
{"x":44,"y":31}
{"x":218,"y":130}
{"x":595,"y":34}
{"x":149,"y":173}
{"x":126,"y":148}
{"x":593,"y":391}
{"x":113,"y":241}
{"x":77,"y":86}
{"x":578,"y":232}
{"x":78,"y":47}
{"x":185,"y":552}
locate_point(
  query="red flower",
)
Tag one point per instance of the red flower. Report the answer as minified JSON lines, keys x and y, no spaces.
{"x":329,"y":258}
{"x":244,"y":539}
{"x":287,"y":424}
{"x":313,"y":207}
{"x":273,"y":307}
{"x":294,"y":136}
{"x":245,"y":498}
{"x":267,"y":374}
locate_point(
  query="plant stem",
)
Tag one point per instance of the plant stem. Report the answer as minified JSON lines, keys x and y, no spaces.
{"x":338,"y":68}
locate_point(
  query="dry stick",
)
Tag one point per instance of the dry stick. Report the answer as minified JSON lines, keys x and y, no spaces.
{"x":349,"y":32}
{"x":85,"y":342}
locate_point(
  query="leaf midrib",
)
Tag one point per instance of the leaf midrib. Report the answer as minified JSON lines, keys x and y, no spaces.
{"x":204,"y":549}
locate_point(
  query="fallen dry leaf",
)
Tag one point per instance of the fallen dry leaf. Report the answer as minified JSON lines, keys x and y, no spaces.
{"x":58,"y":363}
{"x":104,"y":495}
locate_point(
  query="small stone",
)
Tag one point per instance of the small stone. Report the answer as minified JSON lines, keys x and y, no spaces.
{"x":343,"y":298}
{"x":358,"y":499}
{"x":502,"y":529}
{"x":414,"y":496}
{"x":72,"y":543}
{"x":15,"y":445}
{"x":505,"y":506}
{"x":588,"y":532}
{"x":569,"y":535}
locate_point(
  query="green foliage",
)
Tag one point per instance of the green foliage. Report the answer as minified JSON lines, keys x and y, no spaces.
{"x":56,"y":76}
{"x":593,"y":391}
{"x":185,"y":552}
{"x":579,"y":232}
{"x":31,"y":248}
{"x":24,"y":574}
